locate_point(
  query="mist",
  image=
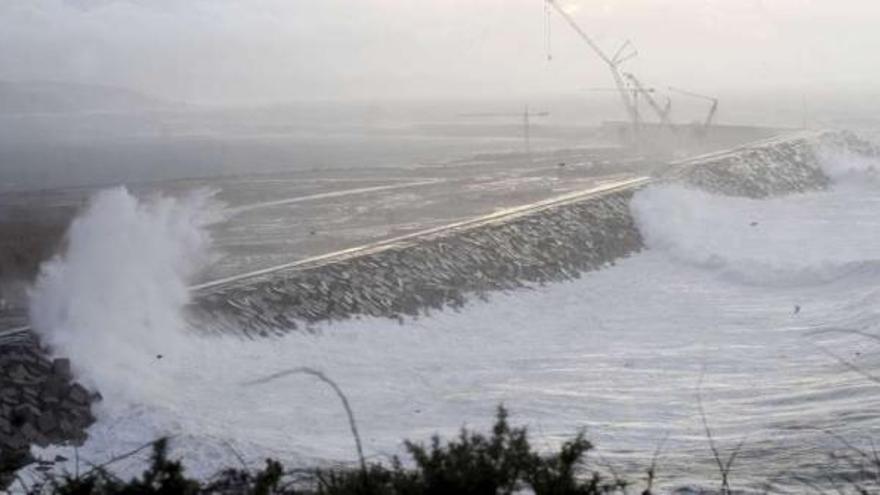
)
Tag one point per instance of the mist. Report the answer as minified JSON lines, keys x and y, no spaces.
{"x":660,"y":219}
{"x":233,"y":52}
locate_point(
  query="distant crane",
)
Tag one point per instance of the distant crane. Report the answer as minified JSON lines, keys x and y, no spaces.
{"x":646,"y":93}
{"x":624,"y":53}
{"x":527,"y":128}
{"x":634,"y":94}
{"x":631,"y":90}
{"x":527,"y":116}
{"x":713,"y":109}
{"x":639,"y":91}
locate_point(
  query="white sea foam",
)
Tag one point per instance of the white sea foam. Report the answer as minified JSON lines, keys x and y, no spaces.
{"x":790,"y":241}
{"x":843,"y":165}
{"x":620,"y":350}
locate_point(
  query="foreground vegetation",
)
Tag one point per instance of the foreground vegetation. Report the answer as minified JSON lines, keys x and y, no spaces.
{"x":501,"y":462}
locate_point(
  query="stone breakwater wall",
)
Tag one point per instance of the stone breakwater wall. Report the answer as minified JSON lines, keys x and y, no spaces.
{"x":559,"y":242}
{"x":436,"y":271}
{"x":40,"y":404}
{"x":775,"y":167}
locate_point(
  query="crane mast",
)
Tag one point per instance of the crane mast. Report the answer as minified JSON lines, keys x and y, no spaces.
{"x":612,"y":62}
{"x":628,"y":86}
{"x":662,"y":113}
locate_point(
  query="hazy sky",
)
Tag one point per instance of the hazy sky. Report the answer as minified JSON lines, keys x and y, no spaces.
{"x":247,"y":51}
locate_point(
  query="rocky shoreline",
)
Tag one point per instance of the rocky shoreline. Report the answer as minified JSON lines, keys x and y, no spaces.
{"x":40,"y":404}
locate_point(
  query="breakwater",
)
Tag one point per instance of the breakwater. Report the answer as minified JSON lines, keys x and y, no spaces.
{"x":553,"y":240}
{"x":40,"y":403}
{"x":550,"y":242}
{"x":441,"y":268}
{"x":774,"y":167}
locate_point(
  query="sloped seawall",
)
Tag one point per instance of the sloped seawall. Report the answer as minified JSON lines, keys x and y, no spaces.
{"x":774,"y":167}
{"x":552,"y":242}
{"x":442,"y":268}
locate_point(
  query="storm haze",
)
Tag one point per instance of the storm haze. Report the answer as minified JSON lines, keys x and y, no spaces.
{"x":651,"y":222}
{"x":253,"y":52}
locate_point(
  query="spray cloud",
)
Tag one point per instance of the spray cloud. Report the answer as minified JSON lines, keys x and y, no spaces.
{"x":115,"y":297}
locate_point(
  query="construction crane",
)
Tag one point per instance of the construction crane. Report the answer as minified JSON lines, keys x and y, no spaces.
{"x":624,"y":53}
{"x":634,"y":94}
{"x":646,"y":93}
{"x":631,"y":90}
{"x":713,"y":109}
{"x":526,"y":115}
{"x":639,"y":91}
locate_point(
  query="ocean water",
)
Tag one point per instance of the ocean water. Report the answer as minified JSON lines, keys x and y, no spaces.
{"x":44,"y":151}
{"x":747,"y":307}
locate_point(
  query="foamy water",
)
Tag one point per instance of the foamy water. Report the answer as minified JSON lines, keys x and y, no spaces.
{"x":620,"y":351}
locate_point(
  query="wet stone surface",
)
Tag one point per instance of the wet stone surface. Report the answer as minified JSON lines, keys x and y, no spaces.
{"x":446,"y":269}
{"x":40,"y":404}
{"x":441,"y":270}
{"x":776,"y":168}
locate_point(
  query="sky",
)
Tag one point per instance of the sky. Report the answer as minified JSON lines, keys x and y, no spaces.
{"x":260,"y":51}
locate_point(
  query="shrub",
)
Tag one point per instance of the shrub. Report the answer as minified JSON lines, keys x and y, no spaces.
{"x":471,"y":464}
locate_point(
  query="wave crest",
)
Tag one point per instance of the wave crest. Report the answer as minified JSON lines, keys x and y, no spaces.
{"x":800,"y":240}
{"x":115,"y":297}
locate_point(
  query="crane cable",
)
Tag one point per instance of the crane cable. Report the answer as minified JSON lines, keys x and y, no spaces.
{"x":548,"y":48}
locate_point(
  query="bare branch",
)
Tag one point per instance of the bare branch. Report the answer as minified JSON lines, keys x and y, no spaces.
{"x":120,"y":457}
{"x":652,"y":470}
{"x":303,"y":370}
{"x":849,"y":364}
{"x":711,"y":439}
{"x":847,"y":331}
{"x":236,"y":453}
{"x":723,"y":467}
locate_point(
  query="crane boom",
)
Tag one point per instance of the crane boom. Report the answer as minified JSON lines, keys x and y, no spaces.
{"x":625,"y":98}
{"x":621,"y":57}
{"x":712,"y":110}
{"x":691,"y":93}
{"x":584,"y":36}
{"x":632,"y":90}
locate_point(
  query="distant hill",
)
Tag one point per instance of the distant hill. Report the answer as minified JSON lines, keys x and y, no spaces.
{"x":42,"y":97}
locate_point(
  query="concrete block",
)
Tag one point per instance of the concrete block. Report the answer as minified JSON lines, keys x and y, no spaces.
{"x":61,"y":367}
{"x":79,"y":394}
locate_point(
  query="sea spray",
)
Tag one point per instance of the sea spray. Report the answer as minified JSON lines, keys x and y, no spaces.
{"x":843,"y":165}
{"x":776,"y":241}
{"x":113,"y":300}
